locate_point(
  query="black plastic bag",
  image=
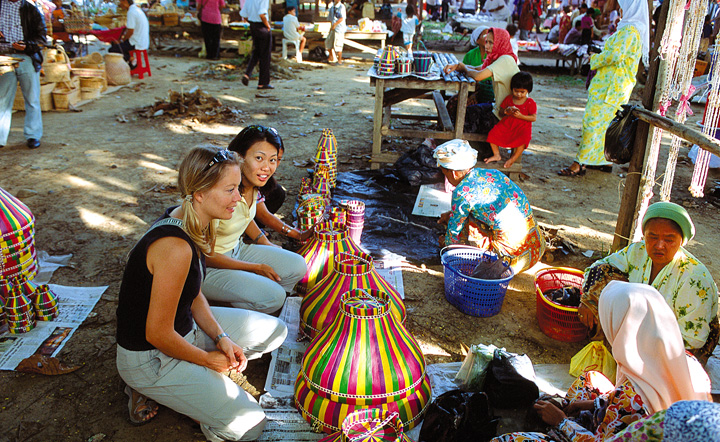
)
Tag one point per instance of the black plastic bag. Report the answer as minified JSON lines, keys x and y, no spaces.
{"x":418,"y":166}
{"x":505,"y":386}
{"x":620,"y":135}
{"x":458,"y":416}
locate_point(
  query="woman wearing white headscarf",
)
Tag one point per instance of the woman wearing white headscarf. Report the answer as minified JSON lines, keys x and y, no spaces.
{"x":653,"y":371}
{"x":488,"y":210}
{"x":612,"y":85}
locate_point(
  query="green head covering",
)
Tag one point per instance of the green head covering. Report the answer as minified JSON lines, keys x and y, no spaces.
{"x":673,"y":212}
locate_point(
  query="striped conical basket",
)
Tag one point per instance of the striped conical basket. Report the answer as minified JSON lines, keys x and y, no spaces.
{"x":364,"y":358}
{"x":321,"y":180}
{"x":327,"y":154}
{"x":327,"y":241}
{"x":351,"y":270}
{"x":370,"y":425}
{"x":17,"y":239}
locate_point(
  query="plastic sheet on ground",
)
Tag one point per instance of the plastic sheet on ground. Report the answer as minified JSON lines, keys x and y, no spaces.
{"x":390,"y":227}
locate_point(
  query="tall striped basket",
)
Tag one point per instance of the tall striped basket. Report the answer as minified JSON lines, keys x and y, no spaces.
{"x":327,"y":241}
{"x":365,"y":358}
{"x":370,"y":425}
{"x":327,"y":155}
{"x":321,"y":304}
{"x":17,"y":240}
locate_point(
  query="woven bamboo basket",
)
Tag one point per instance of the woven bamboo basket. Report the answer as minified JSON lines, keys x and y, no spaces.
{"x":89,"y":93}
{"x":92,"y":83}
{"x":17,"y":240}
{"x":64,"y":95}
{"x":77,"y":23}
{"x":54,"y":71}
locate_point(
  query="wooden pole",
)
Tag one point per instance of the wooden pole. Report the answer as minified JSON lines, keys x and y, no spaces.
{"x":629,"y":201}
{"x":683,"y":131}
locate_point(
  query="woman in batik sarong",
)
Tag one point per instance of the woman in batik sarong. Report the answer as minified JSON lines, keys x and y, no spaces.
{"x":684,"y":421}
{"x":653,"y":372}
{"x":612,"y":85}
{"x":661,"y":261}
{"x":488,"y":210}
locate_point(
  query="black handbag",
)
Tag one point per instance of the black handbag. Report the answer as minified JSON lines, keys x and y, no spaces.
{"x":620,"y":135}
{"x":458,"y":416}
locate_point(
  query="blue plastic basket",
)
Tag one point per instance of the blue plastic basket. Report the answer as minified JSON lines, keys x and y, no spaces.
{"x":472,"y":296}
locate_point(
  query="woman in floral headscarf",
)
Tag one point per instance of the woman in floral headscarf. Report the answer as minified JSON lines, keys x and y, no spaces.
{"x":488,"y":210}
{"x":500,"y":65}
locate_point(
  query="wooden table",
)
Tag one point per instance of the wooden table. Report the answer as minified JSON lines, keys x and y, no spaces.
{"x":351,"y":39}
{"x":390,"y":91}
{"x":572,"y":59}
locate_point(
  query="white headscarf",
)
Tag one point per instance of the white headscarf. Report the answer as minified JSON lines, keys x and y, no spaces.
{"x":476,"y":34}
{"x":647,"y":346}
{"x":455,"y":155}
{"x":635,"y":13}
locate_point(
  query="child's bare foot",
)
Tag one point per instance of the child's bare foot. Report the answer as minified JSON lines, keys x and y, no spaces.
{"x":492,"y":159}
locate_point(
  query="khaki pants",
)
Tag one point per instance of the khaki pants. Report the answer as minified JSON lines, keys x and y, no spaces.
{"x":250,"y":291}
{"x":223,"y":409}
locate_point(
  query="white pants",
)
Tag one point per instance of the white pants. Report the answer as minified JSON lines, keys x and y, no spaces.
{"x":225,"y":411}
{"x":250,"y":291}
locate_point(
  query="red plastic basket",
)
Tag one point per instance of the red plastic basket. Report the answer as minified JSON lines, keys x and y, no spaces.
{"x":556,"y":320}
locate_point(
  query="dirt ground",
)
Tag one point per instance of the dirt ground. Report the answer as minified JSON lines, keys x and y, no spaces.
{"x":97,"y":182}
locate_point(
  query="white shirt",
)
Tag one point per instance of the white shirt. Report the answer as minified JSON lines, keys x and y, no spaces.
{"x":290,"y":28}
{"x":501,"y":14}
{"x":137,"y":21}
{"x":336,"y":12}
{"x":468,"y":4}
{"x":253,"y":9}
{"x":408,"y":26}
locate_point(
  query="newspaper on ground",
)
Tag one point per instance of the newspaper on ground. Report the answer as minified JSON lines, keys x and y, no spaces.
{"x":432,"y":200}
{"x":49,"y":337}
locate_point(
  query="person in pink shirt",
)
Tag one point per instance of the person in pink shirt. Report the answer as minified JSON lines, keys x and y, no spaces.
{"x":211,"y":25}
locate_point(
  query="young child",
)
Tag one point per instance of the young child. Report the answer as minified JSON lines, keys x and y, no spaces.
{"x":512,"y":30}
{"x":515,"y":129}
{"x":409,"y":24}
{"x":292,"y":29}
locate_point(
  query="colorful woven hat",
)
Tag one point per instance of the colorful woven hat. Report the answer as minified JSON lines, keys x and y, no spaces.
{"x":328,"y":240}
{"x":321,"y":179}
{"x":350,"y":271}
{"x":365,"y":357}
{"x":17,"y":239}
{"x":370,"y":425}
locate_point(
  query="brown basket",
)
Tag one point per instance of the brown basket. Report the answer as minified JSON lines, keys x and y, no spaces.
{"x":57,"y":72}
{"x":77,"y":23}
{"x":91,"y":83}
{"x":155,"y":15}
{"x":64,"y":95}
{"x":89,"y":93}
{"x":171,"y":19}
{"x":105,"y":20}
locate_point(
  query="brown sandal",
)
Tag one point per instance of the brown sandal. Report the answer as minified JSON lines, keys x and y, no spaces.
{"x":140,"y":407}
{"x":572,"y":173}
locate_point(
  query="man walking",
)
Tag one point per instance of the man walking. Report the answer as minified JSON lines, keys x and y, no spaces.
{"x":22,"y":35}
{"x":256,"y":12}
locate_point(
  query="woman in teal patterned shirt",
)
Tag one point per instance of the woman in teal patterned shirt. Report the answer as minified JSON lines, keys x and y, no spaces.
{"x":488,"y":210}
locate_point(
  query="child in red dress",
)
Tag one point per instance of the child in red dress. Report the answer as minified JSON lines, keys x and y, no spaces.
{"x":515,"y":129}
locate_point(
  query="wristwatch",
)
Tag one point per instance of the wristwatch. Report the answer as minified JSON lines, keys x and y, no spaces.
{"x":220,"y":336}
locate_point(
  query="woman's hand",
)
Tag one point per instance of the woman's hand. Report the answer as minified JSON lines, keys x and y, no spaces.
{"x":549,"y":413}
{"x":306,"y":234}
{"x":451,"y":68}
{"x":234,"y":353}
{"x":575,"y":407}
{"x":586,"y":316}
{"x":267,"y":271}
{"x":445,"y":218}
{"x":218,"y":361}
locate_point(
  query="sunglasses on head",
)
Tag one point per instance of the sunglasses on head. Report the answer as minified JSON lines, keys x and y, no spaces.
{"x":219,"y":157}
{"x":267,"y":131}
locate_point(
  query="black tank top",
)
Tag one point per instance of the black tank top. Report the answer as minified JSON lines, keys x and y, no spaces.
{"x":134,"y":299}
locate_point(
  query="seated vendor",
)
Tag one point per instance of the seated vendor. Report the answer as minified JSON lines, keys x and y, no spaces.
{"x":660,"y":260}
{"x":476,"y":57}
{"x":136,"y":35}
{"x":488,"y":210}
